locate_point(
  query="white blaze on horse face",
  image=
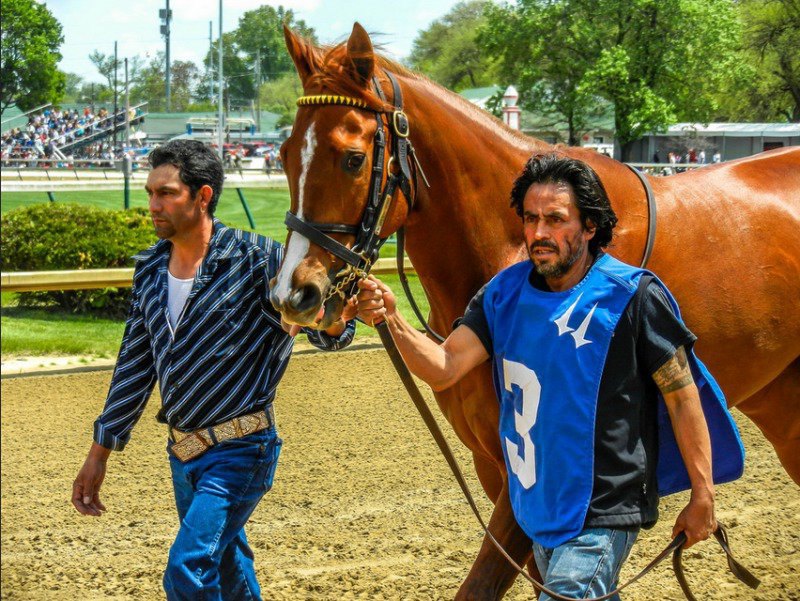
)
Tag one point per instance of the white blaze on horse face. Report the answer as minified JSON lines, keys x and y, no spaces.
{"x":298,"y":244}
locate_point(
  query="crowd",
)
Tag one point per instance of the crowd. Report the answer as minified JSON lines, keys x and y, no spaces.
{"x":53,"y":129}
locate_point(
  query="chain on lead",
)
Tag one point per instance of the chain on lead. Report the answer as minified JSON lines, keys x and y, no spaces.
{"x":350,"y":273}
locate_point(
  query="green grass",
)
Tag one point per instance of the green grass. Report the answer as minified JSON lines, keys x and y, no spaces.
{"x":48,"y":332}
{"x":36,"y":332}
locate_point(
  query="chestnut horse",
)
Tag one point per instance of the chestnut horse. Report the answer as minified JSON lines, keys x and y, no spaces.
{"x":727,"y":245}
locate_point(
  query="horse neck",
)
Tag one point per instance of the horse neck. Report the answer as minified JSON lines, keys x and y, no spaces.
{"x":462,"y":230}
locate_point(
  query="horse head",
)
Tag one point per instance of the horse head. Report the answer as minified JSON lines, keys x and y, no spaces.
{"x":346,"y":184}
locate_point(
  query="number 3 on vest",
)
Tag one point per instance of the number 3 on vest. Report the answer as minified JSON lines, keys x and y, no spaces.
{"x":523,"y":468}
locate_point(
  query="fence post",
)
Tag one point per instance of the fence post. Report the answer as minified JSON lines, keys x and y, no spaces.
{"x":50,"y":196}
{"x":246,"y":208}
{"x":127,"y":167}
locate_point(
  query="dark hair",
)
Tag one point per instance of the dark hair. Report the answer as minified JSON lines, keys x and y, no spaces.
{"x":198,"y":165}
{"x":590,"y":195}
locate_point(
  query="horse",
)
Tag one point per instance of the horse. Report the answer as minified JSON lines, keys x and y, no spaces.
{"x":726,"y":244}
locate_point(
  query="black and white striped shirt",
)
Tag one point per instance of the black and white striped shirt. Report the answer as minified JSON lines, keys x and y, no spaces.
{"x":228,"y":351}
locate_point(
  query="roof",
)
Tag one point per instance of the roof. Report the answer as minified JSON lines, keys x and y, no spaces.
{"x":479,"y":96}
{"x":735,"y":130}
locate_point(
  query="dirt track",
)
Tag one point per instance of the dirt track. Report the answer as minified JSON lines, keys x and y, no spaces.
{"x":363,"y":506}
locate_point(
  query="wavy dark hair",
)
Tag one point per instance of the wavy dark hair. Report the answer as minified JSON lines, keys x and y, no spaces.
{"x":590,"y":195}
{"x":198,"y":165}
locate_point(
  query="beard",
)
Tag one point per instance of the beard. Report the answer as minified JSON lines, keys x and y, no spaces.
{"x":164,"y":230}
{"x":564,"y":262}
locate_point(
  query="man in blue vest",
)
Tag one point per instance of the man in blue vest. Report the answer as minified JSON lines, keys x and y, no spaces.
{"x":603,"y":405}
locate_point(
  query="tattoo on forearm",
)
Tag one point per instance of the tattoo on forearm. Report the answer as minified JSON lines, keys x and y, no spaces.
{"x":674,"y":374}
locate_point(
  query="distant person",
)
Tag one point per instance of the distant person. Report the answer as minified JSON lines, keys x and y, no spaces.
{"x":202,"y":326}
{"x":701,"y":157}
{"x":716,"y":158}
{"x":656,"y":157}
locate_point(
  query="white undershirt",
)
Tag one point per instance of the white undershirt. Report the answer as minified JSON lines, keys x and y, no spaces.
{"x":177,"y":293}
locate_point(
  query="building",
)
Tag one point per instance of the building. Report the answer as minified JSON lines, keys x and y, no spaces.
{"x":548,"y":126}
{"x":731,"y":140}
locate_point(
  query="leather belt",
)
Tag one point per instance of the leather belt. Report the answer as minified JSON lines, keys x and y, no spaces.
{"x":189,"y":445}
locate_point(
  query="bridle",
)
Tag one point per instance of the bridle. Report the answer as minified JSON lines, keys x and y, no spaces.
{"x":398,"y":172}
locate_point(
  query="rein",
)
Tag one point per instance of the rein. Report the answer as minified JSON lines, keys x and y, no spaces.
{"x":364,"y":252}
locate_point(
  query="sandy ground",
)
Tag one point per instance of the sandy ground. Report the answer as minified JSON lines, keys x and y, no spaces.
{"x":363,"y":506}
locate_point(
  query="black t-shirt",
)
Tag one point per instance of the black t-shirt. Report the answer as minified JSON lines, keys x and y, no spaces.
{"x":625,"y":492}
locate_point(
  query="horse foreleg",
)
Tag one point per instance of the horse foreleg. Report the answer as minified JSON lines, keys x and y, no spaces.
{"x":775,"y":409}
{"x":491,"y":574}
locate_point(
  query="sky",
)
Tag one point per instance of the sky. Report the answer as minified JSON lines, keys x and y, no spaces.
{"x":90,"y":25}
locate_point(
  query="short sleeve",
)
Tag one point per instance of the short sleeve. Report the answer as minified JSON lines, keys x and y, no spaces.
{"x":475,"y":319}
{"x":660,"y":332}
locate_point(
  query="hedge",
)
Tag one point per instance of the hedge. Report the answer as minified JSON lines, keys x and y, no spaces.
{"x":58,"y":236}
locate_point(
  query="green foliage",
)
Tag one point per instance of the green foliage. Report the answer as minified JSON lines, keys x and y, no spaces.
{"x":448,"y":52}
{"x":257,"y":39}
{"x":767,"y":85}
{"x":260,"y":35}
{"x":280,"y":96}
{"x":29,"y":43}
{"x":150,"y":84}
{"x":655,"y":60}
{"x":69,"y":236}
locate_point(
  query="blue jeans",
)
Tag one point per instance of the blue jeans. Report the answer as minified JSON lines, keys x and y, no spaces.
{"x":585,"y":566}
{"x":215,"y":495}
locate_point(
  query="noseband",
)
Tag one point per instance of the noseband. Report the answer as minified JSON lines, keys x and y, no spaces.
{"x":368,"y":241}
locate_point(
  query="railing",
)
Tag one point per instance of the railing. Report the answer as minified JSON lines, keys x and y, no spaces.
{"x":667,"y":168}
{"x":87,"y":279}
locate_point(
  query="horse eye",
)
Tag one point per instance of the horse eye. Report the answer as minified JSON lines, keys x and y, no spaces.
{"x":353,"y":162}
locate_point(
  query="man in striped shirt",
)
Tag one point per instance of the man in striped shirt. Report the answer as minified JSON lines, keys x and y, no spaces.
{"x":201,"y":324}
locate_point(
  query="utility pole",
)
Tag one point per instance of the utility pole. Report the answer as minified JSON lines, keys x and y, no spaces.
{"x":210,"y":72}
{"x":116,"y":106}
{"x":258,"y":90}
{"x":220,"y":120}
{"x":127,"y":109}
{"x":165,"y":14}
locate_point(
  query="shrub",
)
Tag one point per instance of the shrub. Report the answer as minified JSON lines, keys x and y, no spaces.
{"x":58,"y":236}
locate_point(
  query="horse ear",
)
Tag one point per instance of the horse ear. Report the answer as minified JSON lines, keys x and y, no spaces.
{"x":302,"y":53}
{"x":361,"y":55}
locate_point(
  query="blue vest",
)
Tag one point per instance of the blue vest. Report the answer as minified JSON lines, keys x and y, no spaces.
{"x":549,"y":354}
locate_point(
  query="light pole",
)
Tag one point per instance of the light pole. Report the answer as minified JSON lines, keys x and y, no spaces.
{"x":165,"y":14}
{"x":220,"y":120}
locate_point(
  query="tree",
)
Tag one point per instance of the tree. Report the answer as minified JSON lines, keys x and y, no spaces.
{"x":770,"y":48}
{"x":150,"y":85}
{"x":260,"y":34}
{"x":280,"y":96}
{"x":657,"y":61}
{"x":238,"y":74}
{"x":547,"y":56}
{"x":448,"y":52}
{"x":29,"y":43}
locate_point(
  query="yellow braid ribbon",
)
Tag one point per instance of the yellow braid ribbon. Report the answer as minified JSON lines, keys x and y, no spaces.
{"x":331,"y":99}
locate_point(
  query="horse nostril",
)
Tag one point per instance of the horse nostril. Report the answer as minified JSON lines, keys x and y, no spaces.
{"x":305,"y":298}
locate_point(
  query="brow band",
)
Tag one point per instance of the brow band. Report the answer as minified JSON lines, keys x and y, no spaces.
{"x":331,"y":99}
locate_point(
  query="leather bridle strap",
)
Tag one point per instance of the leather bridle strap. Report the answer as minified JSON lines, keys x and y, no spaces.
{"x":401,"y":273}
{"x":314,"y":232}
{"x":674,"y":546}
{"x":651,"y":216}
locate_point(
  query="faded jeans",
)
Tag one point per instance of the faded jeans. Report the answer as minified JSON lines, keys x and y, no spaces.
{"x":215,"y":495}
{"x":585,"y":566}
